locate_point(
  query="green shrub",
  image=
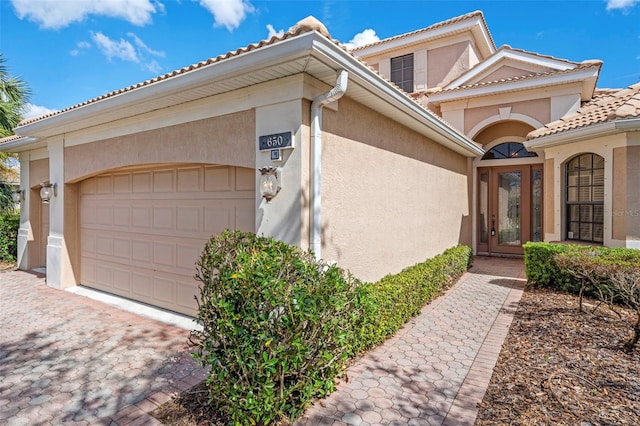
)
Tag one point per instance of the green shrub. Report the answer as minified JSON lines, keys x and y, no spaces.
{"x":611,"y":275}
{"x":9,"y":224}
{"x":542,"y":270}
{"x":389,"y":303}
{"x":278,"y":326}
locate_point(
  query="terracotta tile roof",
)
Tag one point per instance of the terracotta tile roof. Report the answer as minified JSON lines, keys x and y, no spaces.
{"x":11,"y":138}
{"x":536,"y":54}
{"x":437,"y":25}
{"x":303,"y":26}
{"x":579,"y":67}
{"x":306,"y":25}
{"x":606,"y":105}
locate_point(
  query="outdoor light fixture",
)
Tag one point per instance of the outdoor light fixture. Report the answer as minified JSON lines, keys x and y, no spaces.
{"x":269,"y":182}
{"x":17,"y":196}
{"x":46,"y":190}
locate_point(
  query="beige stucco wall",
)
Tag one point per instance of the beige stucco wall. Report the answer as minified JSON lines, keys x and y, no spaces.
{"x":446,"y":63}
{"x":632,"y":211}
{"x":390,"y":197}
{"x":556,"y":160}
{"x":503,"y":72}
{"x":619,"y":202}
{"x":548,"y":203}
{"x":515,"y":129}
{"x":38,"y":214}
{"x":228,"y":140}
{"x":538,"y":109}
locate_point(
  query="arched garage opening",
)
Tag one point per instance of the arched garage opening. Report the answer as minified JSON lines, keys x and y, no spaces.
{"x":141,"y":229}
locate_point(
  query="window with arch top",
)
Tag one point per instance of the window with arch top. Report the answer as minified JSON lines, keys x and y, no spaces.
{"x":508,"y":150}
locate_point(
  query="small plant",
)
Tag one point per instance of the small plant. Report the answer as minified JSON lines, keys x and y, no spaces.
{"x":278,"y":326}
{"x":9,"y":224}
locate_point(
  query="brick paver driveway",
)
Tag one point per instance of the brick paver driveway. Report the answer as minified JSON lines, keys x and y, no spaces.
{"x":65,"y":358}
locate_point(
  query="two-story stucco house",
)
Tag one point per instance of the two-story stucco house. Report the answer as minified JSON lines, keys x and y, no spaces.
{"x":375,"y":158}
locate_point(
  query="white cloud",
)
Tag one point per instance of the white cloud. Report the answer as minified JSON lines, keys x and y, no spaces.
{"x":120,"y":49}
{"x":143,"y":46}
{"x":136,"y":51}
{"x":81,"y":45}
{"x":367,"y":36}
{"x":31,"y":110}
{"x":59,"y":14}
{"x":621,"y":4}
{"x":273,"y":32}
{"x":228,"y":13}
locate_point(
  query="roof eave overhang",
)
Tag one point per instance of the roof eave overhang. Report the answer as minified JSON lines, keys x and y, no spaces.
{"x":22,"y":144}
{"x":588,"y":77}
{"x":475,"y":25}
{"x":509,"y":55}
{"x":407,"y":109}
{"x":307,"y":46}
{"x":243,"y":63}
{"x":589,"y":132}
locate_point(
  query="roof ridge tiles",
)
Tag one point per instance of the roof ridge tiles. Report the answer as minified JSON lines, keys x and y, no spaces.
{"x":456,"y":19}
{"x":531,"y":76}
{"x":292,"y":32}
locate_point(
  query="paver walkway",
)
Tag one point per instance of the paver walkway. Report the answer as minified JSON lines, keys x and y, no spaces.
{"x":67,"y":359}
{"x":436,"y":369}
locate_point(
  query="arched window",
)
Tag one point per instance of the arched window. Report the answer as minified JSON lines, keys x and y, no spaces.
{"x":585,"y":198}
{"x":508,"y":150}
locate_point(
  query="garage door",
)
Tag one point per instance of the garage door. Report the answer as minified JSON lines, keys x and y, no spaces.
{"x":142,"y":230}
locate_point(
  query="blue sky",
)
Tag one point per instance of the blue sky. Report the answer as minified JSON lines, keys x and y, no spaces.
{"x":70,"y":51}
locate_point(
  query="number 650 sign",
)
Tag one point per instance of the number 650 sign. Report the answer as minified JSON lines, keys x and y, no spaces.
{"x":276,"y":141}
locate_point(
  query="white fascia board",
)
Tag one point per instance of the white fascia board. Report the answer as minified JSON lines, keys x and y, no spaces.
{"x":241,"y":64}
{"x":628,"y":124}
{"x":571,"y":136}
{"x":423,"y":36}
{"x":23,"y":144}
{"x":513,"y":55}
{"x":583,"y":133}
{"x":365,"y":77}
{"x":511,"y":86}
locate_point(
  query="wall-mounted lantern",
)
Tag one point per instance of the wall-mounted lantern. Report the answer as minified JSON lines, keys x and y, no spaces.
{"x":46,"y":190}
{"x":269,"y":182}
{"x":17,"y":196}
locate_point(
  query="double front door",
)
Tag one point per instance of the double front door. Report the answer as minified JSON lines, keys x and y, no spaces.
{"x":509,"y":208}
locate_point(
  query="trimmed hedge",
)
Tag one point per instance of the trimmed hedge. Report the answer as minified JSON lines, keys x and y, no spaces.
{"x":543,"y":269}
{"x":279,"y":327}
{"x":9,"y":224}
{"x":389,"y":303}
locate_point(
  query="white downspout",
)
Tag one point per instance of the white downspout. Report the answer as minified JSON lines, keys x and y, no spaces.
{"x":316,"y":159}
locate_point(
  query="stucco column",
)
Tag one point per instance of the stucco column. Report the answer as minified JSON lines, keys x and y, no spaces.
{"x":281,"y":218}
{"x":24,"y":232}
{"x":59,"y":271}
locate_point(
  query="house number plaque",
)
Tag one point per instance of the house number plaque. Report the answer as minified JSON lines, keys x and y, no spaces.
{"x":276,"y":141}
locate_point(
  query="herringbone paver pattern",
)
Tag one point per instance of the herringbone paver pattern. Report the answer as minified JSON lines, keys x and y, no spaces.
{"x":436,"y":369}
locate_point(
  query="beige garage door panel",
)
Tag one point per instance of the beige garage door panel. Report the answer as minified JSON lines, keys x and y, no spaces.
{"x":141,"y":231}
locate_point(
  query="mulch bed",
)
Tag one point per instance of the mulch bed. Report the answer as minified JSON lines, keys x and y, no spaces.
{"x":558,"y":366}
{"x":561,"y":366}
